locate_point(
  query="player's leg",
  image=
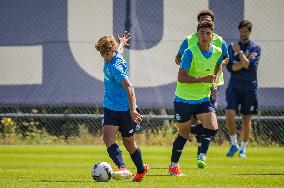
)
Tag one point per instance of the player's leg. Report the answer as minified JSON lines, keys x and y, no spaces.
{"x":249,"y":106}
{"x":182,"y":117}
{"x":230,"y":121}
{"x":178,"y":145}
{"x":233,"y":101}
{"x":245,"y":132}
{"x":210,"y":128}
{"x":127,"y":130}
{"x":110,"y":128}
{"x":195,"y":127}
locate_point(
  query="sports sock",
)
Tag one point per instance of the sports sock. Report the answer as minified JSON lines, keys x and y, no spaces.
{"x":174,"y":164}
{"x":206,"y":138}
{"x":197,"y":130}
{"x":243,"y":145}
{"x":115,"y":154}
{"x":234,"y":140}
{"x":178,"y":146}
{"x":137,"y":160}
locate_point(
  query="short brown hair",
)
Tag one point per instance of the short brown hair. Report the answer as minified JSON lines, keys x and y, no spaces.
{"x":205,"y":24}
{"x":106,"y":44}
{"x":206,"y":12}
{"x":245,"y":23}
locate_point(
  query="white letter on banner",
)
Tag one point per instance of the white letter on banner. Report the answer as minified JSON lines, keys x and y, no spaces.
{"x":21,"y":65}
{"x":89,"y":20}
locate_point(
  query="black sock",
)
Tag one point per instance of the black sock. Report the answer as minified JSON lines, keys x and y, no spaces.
{"x":198,"y":140}
{"x":178,"y":146}
{"x":137,"y":160}
{"x":115,"y":154}
{"x":197,"y":130}
{"x":206,"y":138}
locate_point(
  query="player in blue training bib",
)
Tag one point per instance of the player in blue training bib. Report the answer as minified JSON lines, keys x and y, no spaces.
{"x":120,"y":113}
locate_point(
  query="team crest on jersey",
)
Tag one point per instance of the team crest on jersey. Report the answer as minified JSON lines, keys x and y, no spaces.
{"x":177,"y":116}
{"x":131,"y":131}
{"x":107,"y":71}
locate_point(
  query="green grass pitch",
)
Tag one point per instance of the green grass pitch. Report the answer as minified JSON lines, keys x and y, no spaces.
{"x":70,"y":166}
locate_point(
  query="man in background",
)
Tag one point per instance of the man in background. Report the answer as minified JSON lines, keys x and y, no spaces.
{"x":242,"y":87}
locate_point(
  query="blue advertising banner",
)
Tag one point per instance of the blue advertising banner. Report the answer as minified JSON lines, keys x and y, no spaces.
{"x":48,"y":55}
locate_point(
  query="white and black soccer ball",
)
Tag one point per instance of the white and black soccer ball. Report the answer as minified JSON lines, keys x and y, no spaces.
{"x":101,"y":172}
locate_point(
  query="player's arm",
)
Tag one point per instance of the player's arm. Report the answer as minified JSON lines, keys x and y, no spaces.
{"x":243,"y":59}
{"x":183,"y":76}
{"x":232,"y":67}
{"x":218,"y":69}
{"x":225,"y":53}
{"x":178,"y":58}
{"x":182,"y":47}
{"x":137,"y":118}
{"x":254,"y":57}
{"x":217,"y":72}
{"x":123,"y":41}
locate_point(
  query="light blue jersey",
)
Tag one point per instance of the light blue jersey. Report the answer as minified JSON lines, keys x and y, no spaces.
{"x":115,"y":96}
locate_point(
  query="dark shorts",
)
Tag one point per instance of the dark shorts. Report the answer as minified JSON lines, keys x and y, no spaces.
{"x":122,"y":119}
{"x":245,"y":98}
{"x":213,"y":102}
{"x":184,"y":111}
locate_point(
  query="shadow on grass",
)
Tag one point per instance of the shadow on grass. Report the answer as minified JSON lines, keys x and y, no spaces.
{"x":158,"y":175}
{"x":272,"y":174}
{"x":59,"y":181}
{"x":158,"y":168}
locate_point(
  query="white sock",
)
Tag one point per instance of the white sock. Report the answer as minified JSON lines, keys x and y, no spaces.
{"x":202,"y":156}
{"x":243,"y":146}
{"x":234,"y":140}
{"x":174,"y":164}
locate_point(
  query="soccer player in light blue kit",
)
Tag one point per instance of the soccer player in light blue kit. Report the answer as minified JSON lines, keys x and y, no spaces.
{"x":242,"y":88}
{"x":185,"y":129}
{"x":120,"y":112}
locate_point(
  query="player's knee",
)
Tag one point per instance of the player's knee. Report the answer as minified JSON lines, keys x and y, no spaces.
{"x":184,"y":132}
{"x":230,"y":113}
{"x":130,"y":146}
{"x":108,"y":140}
{"x":210,"y":132}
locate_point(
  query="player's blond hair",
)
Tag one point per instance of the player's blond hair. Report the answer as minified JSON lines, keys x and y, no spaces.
{"x":106,"y":44}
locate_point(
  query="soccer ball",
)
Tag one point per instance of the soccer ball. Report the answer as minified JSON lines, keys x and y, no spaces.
{"x":101,"y":172}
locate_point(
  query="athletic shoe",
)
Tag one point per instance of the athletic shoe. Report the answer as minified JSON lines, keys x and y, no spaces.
{"x":138,"y":177}
{"x":242,"y":154}
{"x":121,"y":173}
{"x":232,"y":151}
{"x":175,"y":171}
{"x":201,"y":161}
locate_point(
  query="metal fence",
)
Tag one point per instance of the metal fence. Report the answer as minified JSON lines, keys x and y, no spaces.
{"x":67,"y":123}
